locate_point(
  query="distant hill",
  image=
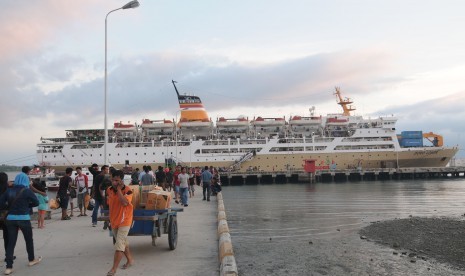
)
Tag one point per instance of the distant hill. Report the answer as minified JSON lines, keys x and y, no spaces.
{"x":7,"y":168}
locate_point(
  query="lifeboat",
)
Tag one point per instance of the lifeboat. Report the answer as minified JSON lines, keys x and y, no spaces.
{"x":121,"y":126}
{"x":161,"y":124}
{"x":264,"y":122}
{"x":235,"y":122}
{"x":299,"y":120}
{"x":337,"y":121}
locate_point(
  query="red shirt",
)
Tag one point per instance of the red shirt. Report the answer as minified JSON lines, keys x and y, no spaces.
{"x":176,"y":179}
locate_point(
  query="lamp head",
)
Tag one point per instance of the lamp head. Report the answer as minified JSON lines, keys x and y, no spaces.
{"x":131,"y":5}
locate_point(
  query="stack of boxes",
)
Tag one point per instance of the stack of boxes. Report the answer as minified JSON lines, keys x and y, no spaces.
{"x":150,"y":197}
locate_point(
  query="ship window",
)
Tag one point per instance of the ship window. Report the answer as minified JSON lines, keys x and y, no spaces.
{"x":145,"y":153}
{"x":109,"y":154}
{"x":81,"y":155}
{"x":154,"y":153}
{"x":118,"y":154}
{"x":54,"y":156}
{"x":72,"y":155}
{"x":100,"y":154}
{"x":63,"y":156}
{"x":136,"y":153}
{"x":127,"y":154}
{"x":91,"y":155}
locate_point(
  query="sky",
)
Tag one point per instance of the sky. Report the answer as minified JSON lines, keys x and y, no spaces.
{"x":265,"y":58}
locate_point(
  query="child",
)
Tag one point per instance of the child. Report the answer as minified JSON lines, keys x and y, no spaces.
{"x":43,"y":203}
{"x":216,"y":186}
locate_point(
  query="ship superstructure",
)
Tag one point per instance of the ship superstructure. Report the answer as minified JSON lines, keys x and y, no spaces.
{"x":335,"y":141}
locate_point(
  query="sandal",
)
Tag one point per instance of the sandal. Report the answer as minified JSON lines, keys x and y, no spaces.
{"x":110,"y":273}
{"x":126,"y":265}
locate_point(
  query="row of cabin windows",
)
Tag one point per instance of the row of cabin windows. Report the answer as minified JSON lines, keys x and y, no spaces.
{"x":317,"y":157}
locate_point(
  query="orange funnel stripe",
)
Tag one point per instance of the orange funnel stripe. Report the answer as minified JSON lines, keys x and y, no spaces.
{"x":191,"y":115}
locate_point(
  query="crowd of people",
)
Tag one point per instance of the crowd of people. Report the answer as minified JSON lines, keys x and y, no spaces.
{"x":108,"y":192}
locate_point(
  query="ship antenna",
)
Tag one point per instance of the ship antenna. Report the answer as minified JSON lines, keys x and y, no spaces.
{"x":175,"y":88}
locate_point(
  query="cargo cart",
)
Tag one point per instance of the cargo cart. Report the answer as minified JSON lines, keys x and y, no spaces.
{"x":153,"y":223}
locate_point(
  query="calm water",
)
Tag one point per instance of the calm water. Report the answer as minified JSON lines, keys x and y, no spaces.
{"x":296,"y":213}
{"x":12,"y":175}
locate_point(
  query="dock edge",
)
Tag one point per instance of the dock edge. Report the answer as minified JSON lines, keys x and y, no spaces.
{"x":226,"y":257}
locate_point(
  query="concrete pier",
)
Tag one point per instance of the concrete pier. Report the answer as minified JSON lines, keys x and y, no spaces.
{"x":384,"y":174}
{"x":74,"y":247}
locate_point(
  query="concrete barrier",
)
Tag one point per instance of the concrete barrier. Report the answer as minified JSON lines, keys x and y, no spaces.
{"x":222,"y":227}
{"x":225,"y":247}
{"x":226,"y":257}
{"x":228,"y":266}
{"x":220,"y":205}
{"x":221,"y":215}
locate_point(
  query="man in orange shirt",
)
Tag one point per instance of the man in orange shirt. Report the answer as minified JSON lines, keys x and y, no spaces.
{"x":119,"y":202}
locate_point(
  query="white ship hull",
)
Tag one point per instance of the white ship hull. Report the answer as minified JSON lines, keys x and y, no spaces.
{"x":270,"y":154}
{"x":337,"y":141}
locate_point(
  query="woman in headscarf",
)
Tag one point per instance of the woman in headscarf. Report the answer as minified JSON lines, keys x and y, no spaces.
{"x":19,"y":199}
{"x":3,"y":189}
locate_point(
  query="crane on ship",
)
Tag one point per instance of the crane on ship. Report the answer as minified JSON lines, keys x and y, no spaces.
{"x":344,"y":103}
{"x":436,"y":139}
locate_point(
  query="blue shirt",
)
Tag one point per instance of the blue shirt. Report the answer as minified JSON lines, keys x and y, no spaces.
{"x":22,"y":179}
{"x":19,"y":210}
{"x":206,"y":177}
{"x":43,"y":202}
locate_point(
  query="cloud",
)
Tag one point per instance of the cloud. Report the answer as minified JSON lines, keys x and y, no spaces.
{"x":143,"y":84}
{"x":444,"y":115}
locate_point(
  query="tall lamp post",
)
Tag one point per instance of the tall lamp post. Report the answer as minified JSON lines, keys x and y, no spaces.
{"x":176,"y":130}
{"x":129,"y":5}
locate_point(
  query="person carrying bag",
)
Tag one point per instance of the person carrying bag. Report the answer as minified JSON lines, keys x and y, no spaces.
{"x":82,"y":184}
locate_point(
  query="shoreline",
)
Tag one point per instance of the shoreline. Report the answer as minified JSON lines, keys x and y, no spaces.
{"x":422,"y":238}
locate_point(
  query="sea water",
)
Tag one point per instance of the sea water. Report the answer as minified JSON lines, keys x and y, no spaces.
{"x":289,"y":215}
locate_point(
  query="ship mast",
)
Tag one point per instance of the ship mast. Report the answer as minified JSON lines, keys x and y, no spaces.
{"x":175,"y":88}
{"x":344,"y":103}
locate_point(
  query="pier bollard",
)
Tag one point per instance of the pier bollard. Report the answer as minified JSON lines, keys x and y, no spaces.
{"x":228,"y":266}
{"x":226,"y":257}
{"x":225,"y":246}
{"x":221,"y":215}
{"x":222,"y":227}
{"x":220,"y":206}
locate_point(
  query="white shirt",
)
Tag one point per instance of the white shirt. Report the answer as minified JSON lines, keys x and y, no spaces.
{"x":183,"y":180}
{"x":80,"y":182}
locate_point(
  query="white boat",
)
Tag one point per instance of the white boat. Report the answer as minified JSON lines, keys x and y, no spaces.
{"x":339,"y":141}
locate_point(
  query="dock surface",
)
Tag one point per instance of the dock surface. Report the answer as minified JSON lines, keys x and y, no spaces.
{"x":74,"y":247}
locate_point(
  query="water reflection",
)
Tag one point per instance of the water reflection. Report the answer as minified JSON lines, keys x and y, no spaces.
{"x":299,"y":210}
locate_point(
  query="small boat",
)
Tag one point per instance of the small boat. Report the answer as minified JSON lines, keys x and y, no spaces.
{"x":51,"y":182}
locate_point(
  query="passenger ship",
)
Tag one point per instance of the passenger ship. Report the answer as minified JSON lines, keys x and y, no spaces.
{"x":335,"y":141}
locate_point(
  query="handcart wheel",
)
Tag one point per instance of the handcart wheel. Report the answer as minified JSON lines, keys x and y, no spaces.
{"x":173,"y":232}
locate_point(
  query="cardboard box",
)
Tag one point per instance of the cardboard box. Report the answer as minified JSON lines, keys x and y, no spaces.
{"x":135,"y":195}
{"x":158,"y":200}
{"x":144,"y":190}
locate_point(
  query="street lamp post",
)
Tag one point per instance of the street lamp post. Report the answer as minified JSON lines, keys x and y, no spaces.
{"x":176,"y":130}
{"x":129,"y":5}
